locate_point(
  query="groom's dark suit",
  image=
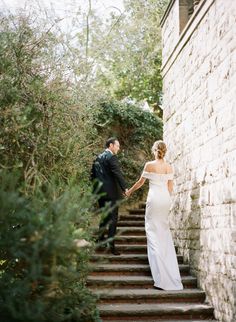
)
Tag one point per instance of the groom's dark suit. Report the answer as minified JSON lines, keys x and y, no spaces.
{"x":107,"y":171}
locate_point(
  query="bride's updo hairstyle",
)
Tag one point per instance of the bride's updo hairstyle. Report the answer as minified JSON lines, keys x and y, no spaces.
{"x":159,"y":149}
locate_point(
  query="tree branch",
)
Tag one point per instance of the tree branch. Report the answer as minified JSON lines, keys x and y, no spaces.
{"x":87,"y":30}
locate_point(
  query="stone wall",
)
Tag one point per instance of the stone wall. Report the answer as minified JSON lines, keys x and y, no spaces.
{"x":199,"y":75}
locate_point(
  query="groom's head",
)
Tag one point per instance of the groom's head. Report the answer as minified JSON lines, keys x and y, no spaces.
{"x":113,"y":145}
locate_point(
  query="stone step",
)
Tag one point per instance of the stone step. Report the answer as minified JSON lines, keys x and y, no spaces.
{"x":132,"y":281}
{"x":124,"y":284}
{"x":131,"y":217}
{"x":133,"y":240}
{"x":131,"y":212}
{"x":137,"y":240}
{"x":134,"y":231}
{"x":135,"y":312}
{"x":151,"y":320}
{"x":140,"y":296}
{"x":127,"y":231}
{"x":131,"y":223}
{"x":126,"y":249}
{"x":136,"y":211}
{"x":142,"y":205}
{"x":126,"y":258}
{"x":126,"y":269}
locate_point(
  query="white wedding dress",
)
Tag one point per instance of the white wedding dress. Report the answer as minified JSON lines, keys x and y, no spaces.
{"x":160,"y":247}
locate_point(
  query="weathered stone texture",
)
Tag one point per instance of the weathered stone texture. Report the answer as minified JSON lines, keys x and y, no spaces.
{"x":170,"y":31}
{"x":200,"y":131}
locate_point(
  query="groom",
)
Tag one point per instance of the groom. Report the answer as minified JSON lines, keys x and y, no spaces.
{"x":107,"y":171}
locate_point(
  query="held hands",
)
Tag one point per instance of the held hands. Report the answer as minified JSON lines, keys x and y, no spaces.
{"x":127,"y":192}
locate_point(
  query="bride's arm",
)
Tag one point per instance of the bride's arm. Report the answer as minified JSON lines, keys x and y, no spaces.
{"x":170,"y":186}
{"x":170,"y":182}
{"x":136,"y":186}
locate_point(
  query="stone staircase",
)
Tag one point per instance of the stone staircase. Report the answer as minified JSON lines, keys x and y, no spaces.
{"x":125,"y":286}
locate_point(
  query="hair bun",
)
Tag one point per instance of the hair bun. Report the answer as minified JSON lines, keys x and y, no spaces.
{"x":159,"y":149}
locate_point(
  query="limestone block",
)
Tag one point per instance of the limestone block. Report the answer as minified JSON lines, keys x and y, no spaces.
{"x":233,"y":216}
{"x":233,"y":261}
{"x":204,"y":198}
{"x":199,"y":108}
{"x":226,"y":191}
{"x":170,"y":30}
{"x":195,"y":245}
{"x":233,"y":248}
{"x":229,"y":146}
{"x":193,"y":234}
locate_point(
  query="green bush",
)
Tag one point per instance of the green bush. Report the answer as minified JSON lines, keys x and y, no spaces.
{"x":51,"y":129}
{"x":45,"y":133}
{"x":43,"y":269}
{"x":136,"y":130}
{"x":45,"y":126}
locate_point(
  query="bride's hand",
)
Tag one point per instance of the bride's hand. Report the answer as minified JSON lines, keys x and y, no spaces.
{"x":128,"y":193}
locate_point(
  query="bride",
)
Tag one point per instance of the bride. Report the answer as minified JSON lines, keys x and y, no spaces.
{"x":161,"y":252}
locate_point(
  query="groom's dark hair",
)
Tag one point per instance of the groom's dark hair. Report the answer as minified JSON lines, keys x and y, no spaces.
{"x":109,"y":141}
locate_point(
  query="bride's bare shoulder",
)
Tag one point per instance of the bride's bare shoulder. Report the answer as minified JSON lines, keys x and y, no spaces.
{"x":148,"y":165}
{"x":169,"y":168}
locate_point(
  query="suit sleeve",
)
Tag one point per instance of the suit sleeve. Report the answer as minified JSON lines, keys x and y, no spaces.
{"x":115,"y":169}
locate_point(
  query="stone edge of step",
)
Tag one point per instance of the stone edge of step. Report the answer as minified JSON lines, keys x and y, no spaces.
{"x":170,"y":308}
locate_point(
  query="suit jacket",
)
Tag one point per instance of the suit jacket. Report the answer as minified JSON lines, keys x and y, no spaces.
{"x":106,"y":170}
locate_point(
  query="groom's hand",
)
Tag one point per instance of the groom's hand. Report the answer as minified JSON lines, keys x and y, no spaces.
{"x":127,"y":193}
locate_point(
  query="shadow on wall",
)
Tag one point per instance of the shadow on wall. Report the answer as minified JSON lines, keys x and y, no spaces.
{"x":194,"y":228}
{"x":187,"y":217}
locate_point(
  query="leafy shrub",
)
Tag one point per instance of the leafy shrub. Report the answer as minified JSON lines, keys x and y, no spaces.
{"x":44,"y":134}
{"x":136,"y":130}
{"x":50,"y":128}
{"x":45,"y":126}
{"x":43,"y":269}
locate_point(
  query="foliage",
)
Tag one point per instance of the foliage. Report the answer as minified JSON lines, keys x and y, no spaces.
{"x":136,"y":130}
{"x":44,"y":134}
{"x":131,"y":64}
{"x":45,"y":127}
{"x":55,"y":116}
{"x":119,"y":56}
{"x":45,"y":271}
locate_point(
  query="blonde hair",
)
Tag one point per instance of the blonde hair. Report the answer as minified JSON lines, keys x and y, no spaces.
{"x":159,"y":149}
